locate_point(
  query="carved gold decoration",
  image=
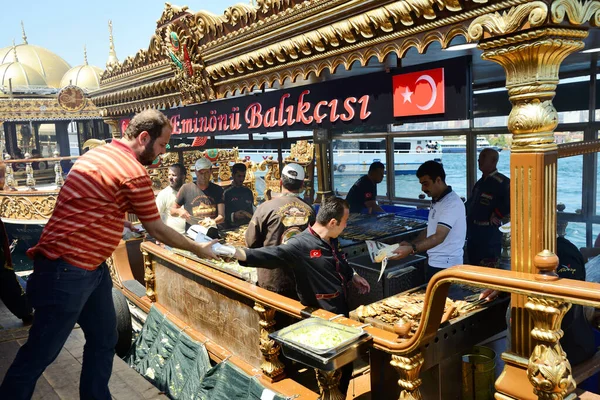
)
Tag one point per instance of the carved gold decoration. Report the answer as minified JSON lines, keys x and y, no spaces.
{"x":578,"y":12}
{"x":28,"y":109}
{"x":531,"y":61}
{"x":113,"y":272}
{"x":233,"y":63}
{"x":509,"y":21}
{"x":329,"y":382}
{"x":409,"y":369}
{"x":271,"y":366}
{"x":30,"y":206}
{"x":149,"y":276}
{"x":302,"y":152}
{"x":272,"y":177}
{"x":549,"y":370}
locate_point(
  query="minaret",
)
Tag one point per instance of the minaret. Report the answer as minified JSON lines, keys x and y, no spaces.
{"x":23,"y":31}
{"x":85,"y":61}
{"x":112,"y":55}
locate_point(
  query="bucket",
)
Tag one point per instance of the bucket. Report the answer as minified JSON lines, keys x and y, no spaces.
{"x":478,"y":374}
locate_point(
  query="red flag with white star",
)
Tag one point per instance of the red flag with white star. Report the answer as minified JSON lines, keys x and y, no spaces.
{"x":419,"y":93}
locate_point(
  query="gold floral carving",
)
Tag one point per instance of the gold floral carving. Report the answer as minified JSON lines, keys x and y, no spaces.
{"x":149,"y":276}
{"x":549,"y":370}
{"x":113,"y":272}
{"x":171,"y":13}
{"x":271,"y":366}
{"x":329,"y":382}
{"x":409,"y":368}
{"x":497,"y":24}
{"x":42,"y":109}
{"x":19,"y":206}
{"x":578,"y":12}
{"x":532,"y":61}
{"x":272,"y":177}
{"x":301,"y":152}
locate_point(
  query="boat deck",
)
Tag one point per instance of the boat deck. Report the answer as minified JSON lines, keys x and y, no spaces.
{"x":61,"y":379}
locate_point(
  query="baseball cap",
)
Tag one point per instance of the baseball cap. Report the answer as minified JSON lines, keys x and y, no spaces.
{"x":202,"y":163}
{"x":293,"y":171}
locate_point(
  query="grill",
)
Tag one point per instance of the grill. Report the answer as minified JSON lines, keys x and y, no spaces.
{"x":399,"y":276}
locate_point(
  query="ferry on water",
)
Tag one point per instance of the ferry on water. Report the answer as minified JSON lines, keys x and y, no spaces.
{"x":460,"y":145}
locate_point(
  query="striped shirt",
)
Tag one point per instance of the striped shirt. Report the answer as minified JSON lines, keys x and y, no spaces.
{"x":87,"y":222}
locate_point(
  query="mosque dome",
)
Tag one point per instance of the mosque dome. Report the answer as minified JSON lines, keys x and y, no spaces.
{"x":85,"y":76}
{"x":22,"y":77}
{"x":47,"y":64}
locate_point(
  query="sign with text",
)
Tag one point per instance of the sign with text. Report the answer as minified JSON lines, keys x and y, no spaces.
{"x":403,"y":95}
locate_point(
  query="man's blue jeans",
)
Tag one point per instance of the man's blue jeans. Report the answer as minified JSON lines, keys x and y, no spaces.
{"x":63,"y":295}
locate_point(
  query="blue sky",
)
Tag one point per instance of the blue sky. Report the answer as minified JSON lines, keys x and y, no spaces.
{"x":65,"y":26}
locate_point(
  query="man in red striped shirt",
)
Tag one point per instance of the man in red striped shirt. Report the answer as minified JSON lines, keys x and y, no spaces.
{"x":71,"y":282}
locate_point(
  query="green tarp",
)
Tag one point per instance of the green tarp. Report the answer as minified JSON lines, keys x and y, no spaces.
{"x":180,"y":366}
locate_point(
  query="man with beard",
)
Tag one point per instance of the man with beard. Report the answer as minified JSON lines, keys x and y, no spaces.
{"x":71,"y":282}
{"x":444,"y":238}
{"x":198,"y":201}
{"x":166,"y":198}
{"x":238,"y":198}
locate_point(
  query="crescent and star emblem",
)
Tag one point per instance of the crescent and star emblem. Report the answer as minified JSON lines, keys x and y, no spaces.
{"x":408,"y":94}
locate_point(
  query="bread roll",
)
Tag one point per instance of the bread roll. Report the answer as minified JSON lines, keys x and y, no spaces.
{"x":385,"y":252}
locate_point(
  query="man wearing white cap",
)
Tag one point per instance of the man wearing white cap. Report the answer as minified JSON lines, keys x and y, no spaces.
{"x":275,"y":222}
{"x":197,"y":201}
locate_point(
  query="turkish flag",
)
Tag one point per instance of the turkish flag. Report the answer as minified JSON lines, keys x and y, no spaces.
{"x":315,"y":253}
{"x":199,"y":141}
{"x":419,"y":93}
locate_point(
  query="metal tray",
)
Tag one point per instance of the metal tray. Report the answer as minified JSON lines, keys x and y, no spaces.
{"x":286,"y":335}
{"x":344,"y":356}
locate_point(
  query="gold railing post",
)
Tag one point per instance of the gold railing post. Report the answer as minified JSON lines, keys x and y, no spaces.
{"x":58,"y":172}
{"x":549,"y":370}
{"x":10,"y":174}
{"x":409,"y":369}
{"x":149,"y":276}
{"x":30,"y":180}
{"x":271,"y":366}
{"x":531,"y":54}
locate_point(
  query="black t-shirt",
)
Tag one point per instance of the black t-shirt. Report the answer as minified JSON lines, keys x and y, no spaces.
{"x":199,"y":203}
{"x":362,"y":191}
{"x":238,"y":198}
{"x":578,"y":341}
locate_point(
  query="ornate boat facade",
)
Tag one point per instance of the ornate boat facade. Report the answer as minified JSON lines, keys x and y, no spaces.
{"x":196,"y":58}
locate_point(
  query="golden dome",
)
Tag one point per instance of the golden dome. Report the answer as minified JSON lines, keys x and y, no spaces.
{"x":21,"y":77}
{"x":85,"y":76}
{"x":48,"y":65}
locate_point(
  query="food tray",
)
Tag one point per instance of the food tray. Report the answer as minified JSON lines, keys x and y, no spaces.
{"x":248,"y":274}
{"x":369,"y":227}
{"x":326,"y":363}
{"x":300,"y":334}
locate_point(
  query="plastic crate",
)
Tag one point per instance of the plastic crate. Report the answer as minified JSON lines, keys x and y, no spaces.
{"x":399,"y":276}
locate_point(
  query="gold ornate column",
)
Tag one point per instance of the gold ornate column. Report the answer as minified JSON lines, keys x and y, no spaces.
{"x":549,"y":371}
{"x":531,"y":55}
{"x":115,"y":128}
{"x":322,"y":140}
{"x":271,"y":366}
{"x":409,"y":369}
{"x":328,"y":382}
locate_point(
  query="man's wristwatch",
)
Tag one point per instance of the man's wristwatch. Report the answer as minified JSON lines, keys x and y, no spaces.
{"x":414,"y":248}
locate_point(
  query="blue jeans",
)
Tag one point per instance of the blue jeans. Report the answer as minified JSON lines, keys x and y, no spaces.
{"x":63,"y":295}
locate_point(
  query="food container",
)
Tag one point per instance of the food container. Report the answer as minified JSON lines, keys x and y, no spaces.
{"x":339,"y":345}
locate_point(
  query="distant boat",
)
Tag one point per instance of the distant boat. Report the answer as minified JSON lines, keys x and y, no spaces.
{"x":460,"y":145}
{"x":353,"y":157}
